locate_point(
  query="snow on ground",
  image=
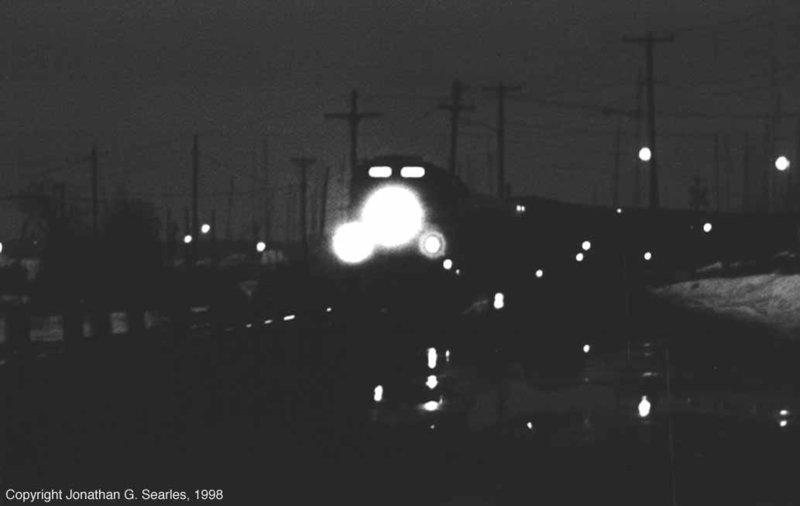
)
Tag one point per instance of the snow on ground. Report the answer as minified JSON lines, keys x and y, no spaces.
{"x":768,"y":299}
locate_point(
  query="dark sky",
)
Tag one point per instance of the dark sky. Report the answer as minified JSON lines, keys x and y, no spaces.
{"x":138,"y":78}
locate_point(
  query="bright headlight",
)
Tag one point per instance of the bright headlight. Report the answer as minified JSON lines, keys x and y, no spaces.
{"x":393,"y":215}
{"x":351,"y":243}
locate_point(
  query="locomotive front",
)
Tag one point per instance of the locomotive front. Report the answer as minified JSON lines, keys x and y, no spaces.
{"x":402,"y":209}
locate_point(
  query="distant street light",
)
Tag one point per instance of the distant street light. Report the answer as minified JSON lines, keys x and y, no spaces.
{"x":644,"y":407}
{"x":619,"y":210}
{"x":586,"y":245}
{"x":187,"y":238}
{"x":648,"y":256}
{"x":261,"y":246}
{"x":539,"y":273}
{"x":645,"y":154}
{"x":378,"y":394}
{"x":579,"y":257}
{"x":782,"y":163}
{"x":707,"y":227}
{"x":447,"y":264}
{"x":205,"y":228}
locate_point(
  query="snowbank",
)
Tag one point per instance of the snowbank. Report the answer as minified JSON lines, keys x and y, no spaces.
{"x":769,"y":299}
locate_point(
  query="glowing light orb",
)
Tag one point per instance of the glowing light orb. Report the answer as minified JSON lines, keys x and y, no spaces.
{"x":393,"y":215}
{"x":352,"y":244}
{"x":784,"y":412}
{"x":529,"y":425}
{"x":539,"y":273}
{"x":447,"y":355}
{"x":447,"y":264}
{"x":187,"y":239}
{"x":288,"y":318}
{"x":499,"y":301}
{"x":782,"y":163}
{"x":579,"y":257}
{"x":432,"y":382}
{"x":458,"y":272}
{"x":378,"y":394}
{"x":205,"y":228}
{"x":648,"y":256}
{"x":261,"y":246}
{"x":645,"y":154}
{"x":707,"y":227}
{"x":586,"y":245}
{"x":430,"y":406}
{"x":644,"y":407}
{"x":783,"y":423}
{"x":328,"y":309}
{"x":432,"y":358}
{"x":431,"y":244}
{"x":586,"y":348}
{"x":619,"y":210}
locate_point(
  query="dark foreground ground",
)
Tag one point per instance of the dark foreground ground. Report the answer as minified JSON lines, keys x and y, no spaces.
{"x":284,"y":413}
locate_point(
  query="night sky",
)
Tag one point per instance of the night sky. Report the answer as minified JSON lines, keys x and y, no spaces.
{"x":139,"y":78}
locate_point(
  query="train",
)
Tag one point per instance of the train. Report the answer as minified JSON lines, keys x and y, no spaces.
{"x":406,"y":211}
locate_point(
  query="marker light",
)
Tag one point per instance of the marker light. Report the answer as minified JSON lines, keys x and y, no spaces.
{"x":351,"y":243}
{"x":586,"y":348}
{"x":261,"y":246}
{"x":619,"y":210}
{"x":782,"y":163}
{"x":529,"y":425}
{"x":586,"y":245}
{"x":432,"y":356}
{"x":447,"y":264}
{"x":431,"y":244}
{"x":378,"y":395}
{"x":707,"y":227}
{"x":579,"y":257}
{"x":412,"y":172}
{"x":539,"y":273}
{"x":648,"y":256}
{"x":784,"y":412}
{"x":431,"y":406}
{"x":288,"y":317}
{"x":380,"y":171}
{"x":206,"y":228}
{"x":644,"y":407}
{"x":645,"y":154}
{"x":432,"y":382}
{"x":783,"y":423}
{"x":447,"y":355}
{"x":393,"y":215}
{"x":187,"y":239}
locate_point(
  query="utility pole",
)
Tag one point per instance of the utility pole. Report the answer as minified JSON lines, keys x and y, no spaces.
{"x":353,"y":118}
{"x":617,"y":157}
{"x":637,"y":171}
{"x":324,"y":198}
{"x":95,"y":202}
{"x":195,"y":173}
{"x":728,"y":172}
{"x":229,"y":221}
{"x":304,"y":163}
{"x":500,"y":92}
{"x":746,"y":174}
{"x":649,"y":40}
{"x":455,"y":107}
{"x":716,"y":173}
